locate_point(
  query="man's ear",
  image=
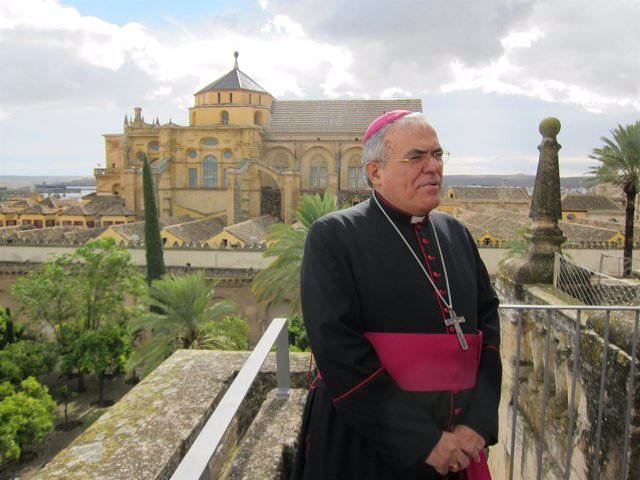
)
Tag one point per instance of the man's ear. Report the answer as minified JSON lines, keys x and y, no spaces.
{"x":372,"y":169}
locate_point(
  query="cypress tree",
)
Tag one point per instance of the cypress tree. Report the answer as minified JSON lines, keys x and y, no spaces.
{"x":152,"y":239}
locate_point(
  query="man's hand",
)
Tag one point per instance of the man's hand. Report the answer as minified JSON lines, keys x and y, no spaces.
{"x":448,"y":455}
{"x":470,"y":442}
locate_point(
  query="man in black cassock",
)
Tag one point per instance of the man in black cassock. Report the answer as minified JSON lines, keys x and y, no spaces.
{"x":403,"y":324}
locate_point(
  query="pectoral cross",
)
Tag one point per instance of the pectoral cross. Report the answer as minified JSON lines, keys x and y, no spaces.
{"x":456,"y":321}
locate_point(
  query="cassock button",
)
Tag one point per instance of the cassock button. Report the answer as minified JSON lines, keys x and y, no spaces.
{"x":436,"y":275}
{"x":425,"y":241}
{"x":442,"y":292}
{"x":452,"y":330}
{"x":445,"y":310}
{"x":431,"y":258}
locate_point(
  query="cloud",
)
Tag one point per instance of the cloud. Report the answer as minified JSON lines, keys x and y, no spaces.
{"x":475,"y":63}
{"x":584,"y":53}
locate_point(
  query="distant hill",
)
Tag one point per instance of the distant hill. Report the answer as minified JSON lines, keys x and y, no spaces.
{"x":519,"y":180}
{"x":19,"y":181}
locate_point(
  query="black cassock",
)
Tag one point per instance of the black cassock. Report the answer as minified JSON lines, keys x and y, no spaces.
{"x":359,"y":276}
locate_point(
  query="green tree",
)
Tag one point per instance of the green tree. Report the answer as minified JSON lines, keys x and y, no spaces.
{"x":298,"y":340}
{"x":47,"y":295}
{"x":105,"y":277}
{"x":231,"y":333}
{"x":152,"y":238}
{"x":619,"y":159}
{"x":9,"y":331}
{"x":26,"y":415}
{"x":99,"y":351}
{"x":181,"y":310}
{"x":81,"y":291}
{"x":280,"y":281}
{"x":24,"y":359}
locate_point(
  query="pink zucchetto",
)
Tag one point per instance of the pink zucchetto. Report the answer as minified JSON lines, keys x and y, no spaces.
{"x":383,"y":120}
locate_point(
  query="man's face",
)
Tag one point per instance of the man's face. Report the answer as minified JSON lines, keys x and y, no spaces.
{"x":413,"y":190}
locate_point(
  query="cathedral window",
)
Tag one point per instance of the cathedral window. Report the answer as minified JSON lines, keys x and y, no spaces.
{"x":193,"y":177}
{"x":318,"y":177}
{"x":210,"y":142}
{"x":210,"y":169}
{"x":154,"y":146}
{"x":219,"y":98}
{"x":192,"y":154}
{"x":227,"y":154}
{"x":224,"y":118}
{"x":357,"y":178}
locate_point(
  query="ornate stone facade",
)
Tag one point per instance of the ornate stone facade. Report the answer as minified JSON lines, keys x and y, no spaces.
{"x":244,"y":153}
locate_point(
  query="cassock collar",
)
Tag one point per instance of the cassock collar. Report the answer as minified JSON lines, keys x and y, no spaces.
{"x":398,"y":215}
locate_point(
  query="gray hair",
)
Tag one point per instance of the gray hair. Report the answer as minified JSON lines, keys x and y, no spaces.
{"x":374,"y":149}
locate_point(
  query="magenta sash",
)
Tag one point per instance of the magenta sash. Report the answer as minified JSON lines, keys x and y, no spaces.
{"x":480,"y":470}
{"x":428,"y":362}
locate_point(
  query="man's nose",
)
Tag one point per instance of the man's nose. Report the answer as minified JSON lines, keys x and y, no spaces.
{"x":430,"y":165}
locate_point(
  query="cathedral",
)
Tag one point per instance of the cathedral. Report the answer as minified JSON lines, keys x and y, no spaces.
{"x":244,"y":154}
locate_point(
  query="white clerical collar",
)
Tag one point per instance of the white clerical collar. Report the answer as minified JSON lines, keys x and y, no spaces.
{"x":418,"y":219}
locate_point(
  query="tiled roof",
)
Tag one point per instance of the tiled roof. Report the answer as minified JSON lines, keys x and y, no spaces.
{"x":505,"y":224}
{"x":7,"y":209}
{"x":332,"y":116}
{"x":588,"y":202}
{"x":253,"y":231}
{"x":198,"y":231}
{"x":501,"y":228}
{"x":487,"y":193}
{"x":117,"y":211}
{"x":128,"y":230}
{"x":9,"y":232}
{"x":234,"y":80}
{"x":59,"y":234}
{"x":38,"y":209}
{"x":22,"y":203}
{"x":583,"y":233}
{"x":102,"y":202}
{"x":76,"y":210}
{"x":618,"y":226}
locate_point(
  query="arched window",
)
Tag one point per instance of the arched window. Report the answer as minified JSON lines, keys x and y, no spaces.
{"x":210,"y":171}
{"x":224,"y":117}
{"x":357,"y":178}
{"x":318,"y":172}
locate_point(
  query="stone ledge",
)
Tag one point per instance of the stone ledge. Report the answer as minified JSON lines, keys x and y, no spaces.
{"x":145,"y":435}
{"x":269,"y":446}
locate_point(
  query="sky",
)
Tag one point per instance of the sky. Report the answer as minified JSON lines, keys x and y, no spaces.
{"x":487,"y":71}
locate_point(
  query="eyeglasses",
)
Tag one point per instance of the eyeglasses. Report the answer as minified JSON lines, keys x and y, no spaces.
{"x":418,"y":159}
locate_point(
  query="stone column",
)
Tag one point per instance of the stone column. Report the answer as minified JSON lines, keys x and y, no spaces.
{"x":544,"y":238}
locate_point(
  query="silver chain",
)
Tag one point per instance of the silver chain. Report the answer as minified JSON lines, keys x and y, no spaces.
{"x":444,"y":268}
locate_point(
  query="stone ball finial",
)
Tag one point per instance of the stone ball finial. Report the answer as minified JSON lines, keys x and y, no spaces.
{"x":549,"y":127}
{"x":236,"y":54}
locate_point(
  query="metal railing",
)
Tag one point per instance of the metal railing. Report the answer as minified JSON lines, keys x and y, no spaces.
{"x":545,"y":356}
{"x":573,"y":349}
{"x":195,"y":464}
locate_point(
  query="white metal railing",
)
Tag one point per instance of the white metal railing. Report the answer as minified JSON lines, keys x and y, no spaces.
{"x":573,"y":338}
{"x":195,"y":464}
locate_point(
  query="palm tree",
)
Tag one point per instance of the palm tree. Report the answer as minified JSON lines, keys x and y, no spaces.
{"x":180,"y":313}
{"x":620,"y":166}
{"x":280,"y":281}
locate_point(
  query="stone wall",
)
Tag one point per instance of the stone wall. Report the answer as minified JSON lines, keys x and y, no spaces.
{"x":145,"y":435}
{"x":530,"y":399}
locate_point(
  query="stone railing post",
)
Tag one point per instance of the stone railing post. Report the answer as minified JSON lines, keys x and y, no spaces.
{"x":543,"y":237}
